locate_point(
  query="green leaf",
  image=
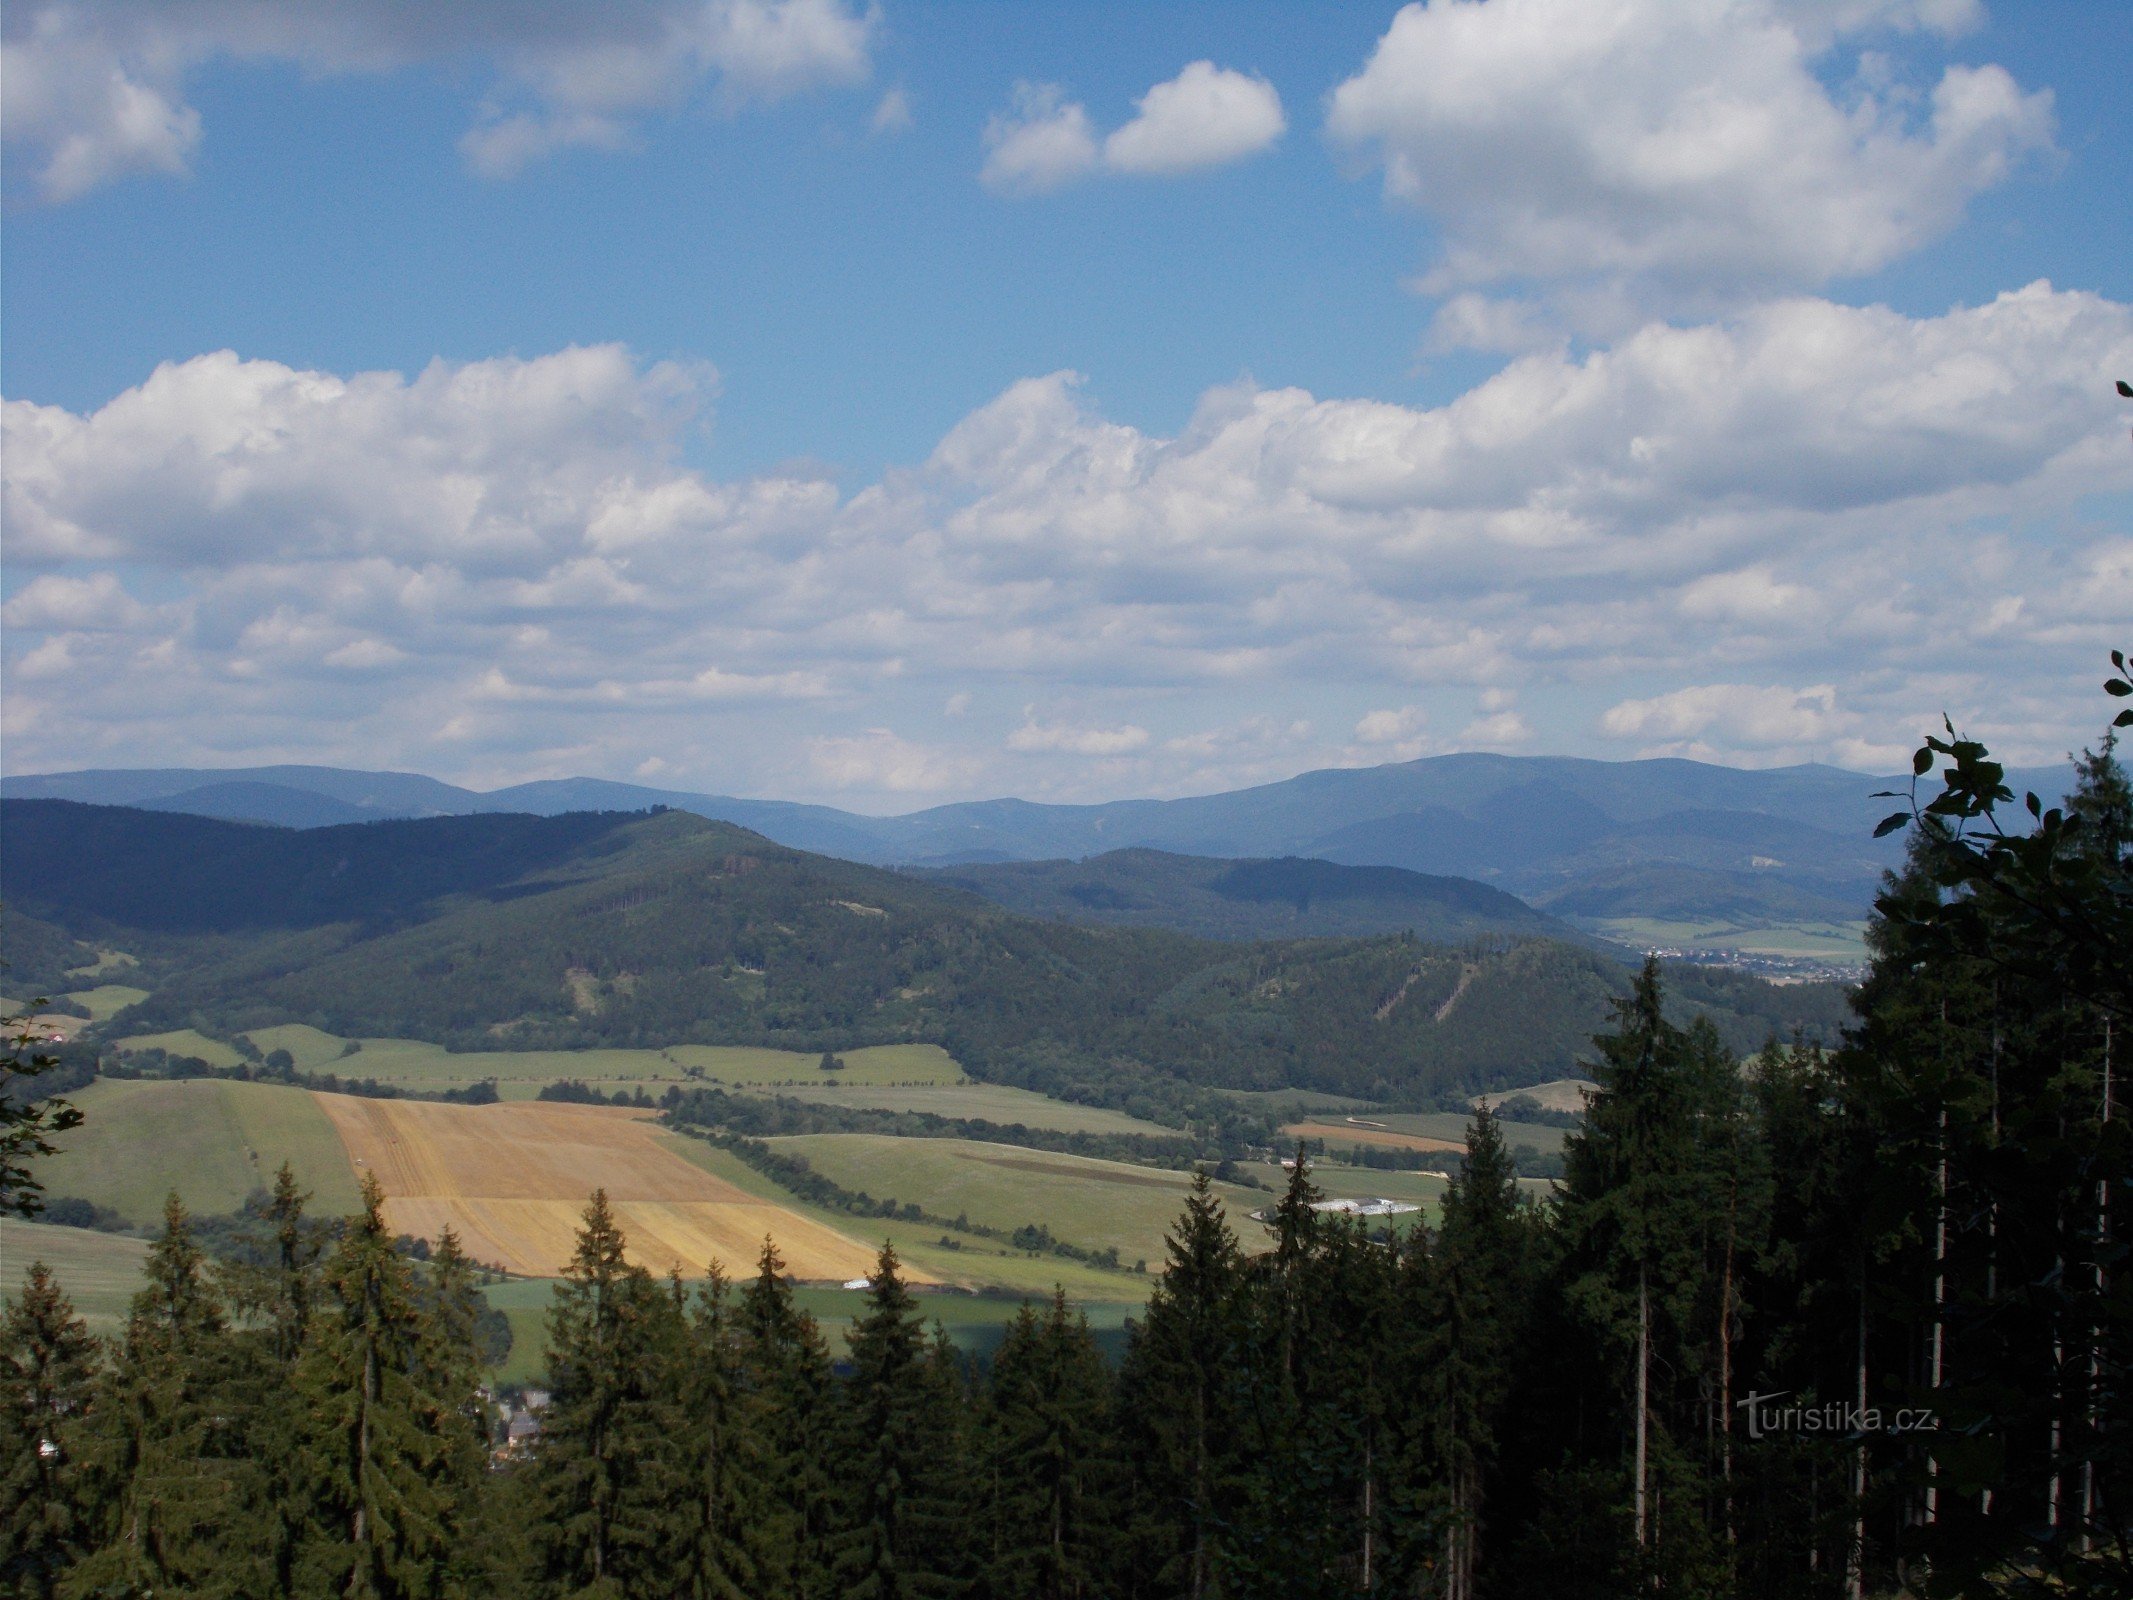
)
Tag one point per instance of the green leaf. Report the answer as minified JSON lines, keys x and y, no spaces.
{"x":1890,"y":823}
{"x":1922,"y":762}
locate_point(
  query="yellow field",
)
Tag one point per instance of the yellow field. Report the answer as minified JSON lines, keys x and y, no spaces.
{"x":1342,"y":1132}
{"x":512,"y":1180}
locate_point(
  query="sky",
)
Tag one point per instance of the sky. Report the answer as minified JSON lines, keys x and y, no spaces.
{"x":891,"y":404}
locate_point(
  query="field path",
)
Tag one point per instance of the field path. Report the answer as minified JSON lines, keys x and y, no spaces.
{"x":512,"y":1180}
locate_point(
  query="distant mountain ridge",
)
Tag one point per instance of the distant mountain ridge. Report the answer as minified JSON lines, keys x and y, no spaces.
{"x":1285,"y":898}
{"x":1657,"y":838}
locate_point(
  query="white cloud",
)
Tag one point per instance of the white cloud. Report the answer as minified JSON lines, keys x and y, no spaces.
{"x":1391,"y":726}
{"x":1618,"y":149}
{"x":94,"y":89}
{"x":505,"y":566}
{"x":1206,"y":116}
{"x":892,"y":114}
{"x":1041,"y":142}
{"x":1074,"y":740}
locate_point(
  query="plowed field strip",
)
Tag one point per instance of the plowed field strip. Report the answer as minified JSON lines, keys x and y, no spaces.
{"x":512,"y":1180}
{"x":1348,"y":1133}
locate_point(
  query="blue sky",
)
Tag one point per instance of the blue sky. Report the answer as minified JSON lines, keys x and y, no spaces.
{"x":893,"y":405}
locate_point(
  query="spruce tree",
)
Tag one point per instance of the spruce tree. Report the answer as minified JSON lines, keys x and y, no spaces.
{"x":48,"y":1365}
{"x":900,"y":1535}
{"x":1179,"y":1402}
{"x":1051,"y":1460}
{"x":164,"y":1457}
{"x":787,"y":1429}
{"x":1468,"y":1299}
{"x":725,"y":1500}
{"x":606,"y":1470}
{"x":385,"y":1397}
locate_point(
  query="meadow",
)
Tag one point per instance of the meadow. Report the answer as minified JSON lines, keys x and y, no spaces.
{"x":979,"y":1102}
{"x":211,"y":1140}
{"x":100,"y":1272}
{"x":1091,"y":1203}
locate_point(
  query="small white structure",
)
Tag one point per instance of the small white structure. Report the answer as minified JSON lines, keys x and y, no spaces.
{"x":859,"y":1283}
{"x":1365,"y":1208}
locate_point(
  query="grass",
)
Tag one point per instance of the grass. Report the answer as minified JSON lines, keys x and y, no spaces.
{"x":1287,"y":1102}
{"x":1451,"y":1125}
{"x":100,"y":1272}
{"x":183,"y":1042}
{"x":1822,"y":941}
{"x":212,"y":1141}
{"x":980,"y":1102}
{"x":975,"y":1264}
{"x":1091,"y":1203}
{"x":106,"y":963}
{"x":107,"y":1000}
{"x":522,"y":1074}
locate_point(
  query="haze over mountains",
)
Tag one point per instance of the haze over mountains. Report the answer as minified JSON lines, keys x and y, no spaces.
{"x":1588,"y":840}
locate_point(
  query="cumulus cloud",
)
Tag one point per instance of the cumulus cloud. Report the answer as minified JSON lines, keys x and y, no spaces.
{"x":1073,"y":739}
{"x":1207,"y":116}
{"x":95,"y":89}
{"x":1620,"y":149}
{"x":1040,"y":142}
{"x":1675,"y":541}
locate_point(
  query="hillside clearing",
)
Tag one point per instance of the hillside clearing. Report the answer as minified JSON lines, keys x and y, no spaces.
{"x":1558,"y":1094}
{"x":107,"y":1000}
{"x":513,"y":1180}
{"x":183,"y":1042}
{"x":212,"y":1140}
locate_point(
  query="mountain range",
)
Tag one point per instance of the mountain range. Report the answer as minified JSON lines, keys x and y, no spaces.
{"x":1587,"y":840}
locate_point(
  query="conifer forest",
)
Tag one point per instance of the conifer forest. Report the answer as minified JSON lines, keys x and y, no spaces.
{"x":1840,"y":1321}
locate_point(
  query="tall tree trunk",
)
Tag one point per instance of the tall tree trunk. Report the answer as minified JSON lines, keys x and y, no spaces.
{"x":1644,"y":1374}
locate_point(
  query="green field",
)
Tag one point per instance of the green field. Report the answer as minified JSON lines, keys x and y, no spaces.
{"x":212,"y":1140}
{"x":1090,"y":1203}
{"x":969,"y":1263}
{"x":979,"y":1102}
{"x":1843,"y":942}
{"x":521,"y":1074}
{"x":101,"y":1272}
{"x":1285,"y":1103}
{"x":106,"y":963}
{"x":107,"y":1000}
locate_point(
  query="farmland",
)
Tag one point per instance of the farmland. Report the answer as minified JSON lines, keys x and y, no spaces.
{"x":513,"y":1180}
{"x":100,"y":1272}
{"x":212,"y":1141}
{"x":107,"y":1000}
{"x":979,"y":1102}
{"x":1091,"y":1203}
{"x":967,"y":1263}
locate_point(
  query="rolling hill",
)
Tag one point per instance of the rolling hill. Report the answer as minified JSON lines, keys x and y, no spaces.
{"x":1290,"y":898}
{"x":516,"y":932}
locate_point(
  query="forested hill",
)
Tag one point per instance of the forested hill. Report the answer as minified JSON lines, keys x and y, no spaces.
{"x":1289,"y":898}
{"x":590,"y":929}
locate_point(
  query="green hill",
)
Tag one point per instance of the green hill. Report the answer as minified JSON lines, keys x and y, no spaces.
{"x":635,"y":930}
{"x":1288,"y":898}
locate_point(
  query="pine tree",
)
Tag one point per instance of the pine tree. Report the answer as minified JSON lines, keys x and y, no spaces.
{"x":1050,"y":1458}
{"x":1472,"y":1288}
{"x":48,"y":1367}
{"x":899,"y":1534}
{"x":606,"y":1470}
{"x":725,"y":1500}
{"x":1644,"y":1197}
{"x":783,"y":1389}
{"x":164,"y":1458}
{"x":1179,"y":1398}
{"x":385,"y":1400}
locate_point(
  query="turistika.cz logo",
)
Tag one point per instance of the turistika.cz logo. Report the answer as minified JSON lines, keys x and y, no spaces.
{"x":1843,"y":1418}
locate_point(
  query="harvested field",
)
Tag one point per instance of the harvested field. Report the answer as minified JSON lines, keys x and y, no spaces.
{"x":1335,"y":1131}
{"x":513,"y":1180}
